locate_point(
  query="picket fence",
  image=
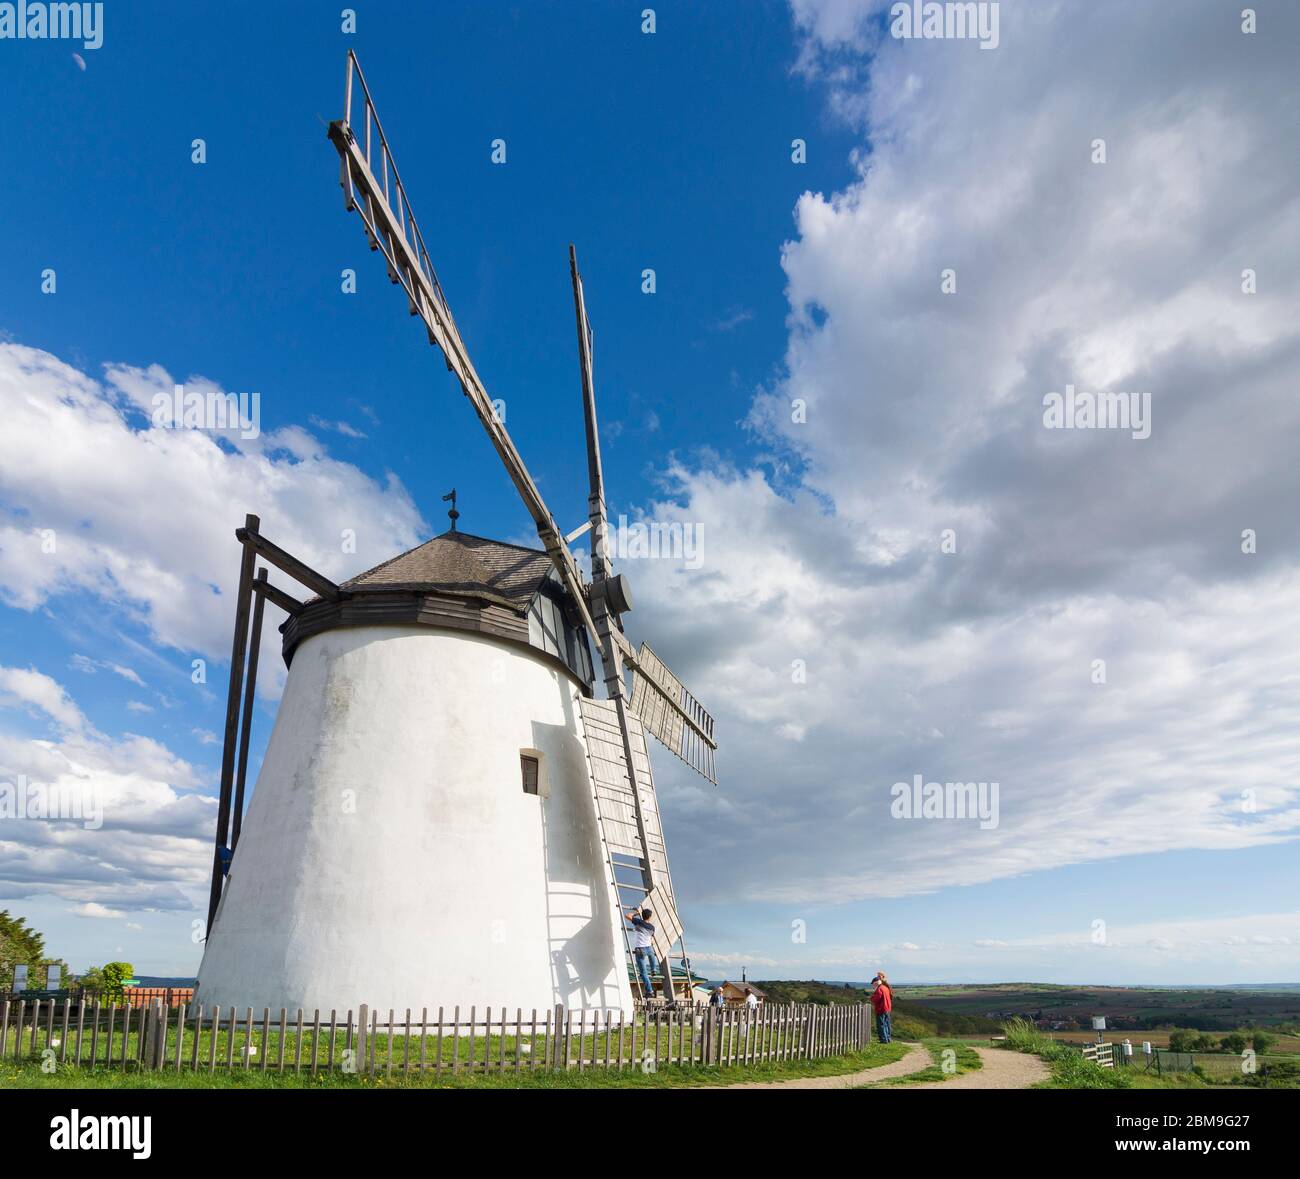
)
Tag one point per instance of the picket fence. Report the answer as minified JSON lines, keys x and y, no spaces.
{"x":485,"y":1040}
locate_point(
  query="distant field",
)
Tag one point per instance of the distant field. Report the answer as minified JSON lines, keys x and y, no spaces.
{"x":1131,"y":1009}
{"x":1160,"y":1039}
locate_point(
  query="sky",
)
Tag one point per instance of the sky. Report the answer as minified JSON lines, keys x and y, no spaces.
{"x":838,"y":382}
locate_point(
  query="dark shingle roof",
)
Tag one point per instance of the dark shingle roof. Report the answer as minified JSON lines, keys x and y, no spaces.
{"x":461,"y":564}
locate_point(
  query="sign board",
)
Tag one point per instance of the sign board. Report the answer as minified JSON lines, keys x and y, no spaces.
{"x":1098,"y":1023}
{"x":53,"y":977}
{"x":20,"y":978}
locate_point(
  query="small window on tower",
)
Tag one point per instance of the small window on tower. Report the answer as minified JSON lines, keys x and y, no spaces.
{"x":529,"y":767}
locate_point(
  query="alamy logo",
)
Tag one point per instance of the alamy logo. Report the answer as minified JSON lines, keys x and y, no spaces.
{"x":213,"y":410}
{"x":1080,"y":410}
{"x":24,"y":21}
{"x":672,"y":540}
{"x":920,"y":799}
{"x":80,"y":1131}
{"x":75,"y":801}
{"x":928,"y":20}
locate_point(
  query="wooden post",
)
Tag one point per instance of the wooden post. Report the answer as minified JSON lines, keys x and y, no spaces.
{"x":180,"y":1033}
{"x":243,"y":598}
{"x":363,"y":1028}
{"x":159,"y":1042}
{"x":250,"y":691}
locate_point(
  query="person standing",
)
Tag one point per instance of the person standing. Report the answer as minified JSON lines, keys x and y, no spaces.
{"x":643,"y":950}
{"x":882,"y":1002}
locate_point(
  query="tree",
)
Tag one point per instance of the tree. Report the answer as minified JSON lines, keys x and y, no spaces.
{"x":114,"y":974}
{"x":20,"y":945}
{"x":91,"y":979}
{"x":1180,"y":1041}
{"x":1262,"y":1042}
{"x":1235,"y":1042}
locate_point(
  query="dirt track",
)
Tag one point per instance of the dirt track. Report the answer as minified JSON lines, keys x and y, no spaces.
{"x":1002,"y":1070}
{"x":916,"y":1059}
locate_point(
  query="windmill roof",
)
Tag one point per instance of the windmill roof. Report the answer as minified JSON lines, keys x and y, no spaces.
{"x":462,"y":564}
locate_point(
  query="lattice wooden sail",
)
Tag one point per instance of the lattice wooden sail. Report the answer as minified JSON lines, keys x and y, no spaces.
{"x":671,"y":714}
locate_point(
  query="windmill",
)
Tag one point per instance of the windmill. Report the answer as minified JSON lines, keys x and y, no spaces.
{"x":438,"y":658}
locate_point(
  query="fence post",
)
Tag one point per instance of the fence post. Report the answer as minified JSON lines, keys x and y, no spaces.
{"x":145,"y":1034}
{"x":558,"y":1038}
{"x":154,"y":1028}
{"x":363,"y":1030}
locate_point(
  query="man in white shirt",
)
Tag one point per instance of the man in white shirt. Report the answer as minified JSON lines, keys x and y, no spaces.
{"x":643,"y":949}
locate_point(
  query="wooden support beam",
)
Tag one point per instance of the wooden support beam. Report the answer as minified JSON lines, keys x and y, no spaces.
{"x":277,"y":596}
{"x":243,"y":599}
{"x":290,"y":564}
{"x":250,"y":691}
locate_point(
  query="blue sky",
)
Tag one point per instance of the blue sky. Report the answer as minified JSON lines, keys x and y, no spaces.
{"x":775,"y":281}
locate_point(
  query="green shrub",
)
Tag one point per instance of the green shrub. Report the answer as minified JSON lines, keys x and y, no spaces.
{"x":113,"y":975}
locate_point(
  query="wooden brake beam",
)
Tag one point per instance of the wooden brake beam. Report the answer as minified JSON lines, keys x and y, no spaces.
{"x":289,"y":564}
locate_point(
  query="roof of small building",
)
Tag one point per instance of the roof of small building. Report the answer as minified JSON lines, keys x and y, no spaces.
{"x":462,"y":564}
{"x":745,"y":988}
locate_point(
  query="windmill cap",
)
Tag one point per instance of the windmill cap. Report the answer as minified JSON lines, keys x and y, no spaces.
{"x":462,"y":564}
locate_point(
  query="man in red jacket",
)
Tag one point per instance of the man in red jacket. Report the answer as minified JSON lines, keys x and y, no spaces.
{"x":882,"y":1000}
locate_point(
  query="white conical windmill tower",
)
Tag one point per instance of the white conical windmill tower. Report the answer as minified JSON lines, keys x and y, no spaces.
{"x":445,"y":813}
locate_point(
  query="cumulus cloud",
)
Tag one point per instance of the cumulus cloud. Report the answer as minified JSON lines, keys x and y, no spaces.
{"x":1099,"y":643}
{"x":140,"y":519}
{"x":143,"y":517}
{"x":124,"y":823}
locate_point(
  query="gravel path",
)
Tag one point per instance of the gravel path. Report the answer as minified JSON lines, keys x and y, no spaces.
{"x":916,"y":1059}
{"x":1002,"y":1069}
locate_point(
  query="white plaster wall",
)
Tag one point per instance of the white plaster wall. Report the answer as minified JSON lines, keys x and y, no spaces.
{"x":389,"y":854}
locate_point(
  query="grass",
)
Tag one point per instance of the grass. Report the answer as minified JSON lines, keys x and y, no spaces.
{"x":951,"y":1058}
{"x":1070,"y":1068}
{"x":28,"y":1074}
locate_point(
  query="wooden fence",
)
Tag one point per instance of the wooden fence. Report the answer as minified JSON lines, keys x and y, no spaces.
{"x":482,"y":1040}
{"x":126,"y":996}
{"x":1102,"y":1054}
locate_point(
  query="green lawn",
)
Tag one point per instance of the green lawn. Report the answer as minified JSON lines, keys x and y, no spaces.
{"x":28,"y":1074}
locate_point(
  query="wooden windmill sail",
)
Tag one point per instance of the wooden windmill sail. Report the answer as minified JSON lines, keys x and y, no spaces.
{"x":622,"y":786}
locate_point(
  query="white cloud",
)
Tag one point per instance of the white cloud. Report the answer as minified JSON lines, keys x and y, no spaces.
{"x":924,"y":413}
{"x":144,"y":518}
{"x":28,"y":687}
{"x":133,"y":826}
{"x":92,"y":909}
